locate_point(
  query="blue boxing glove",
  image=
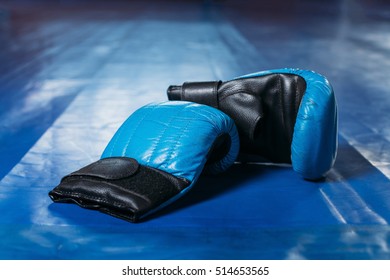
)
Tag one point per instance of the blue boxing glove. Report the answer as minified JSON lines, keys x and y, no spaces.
{"x":154,"y":158}
{"x":284,"y":116}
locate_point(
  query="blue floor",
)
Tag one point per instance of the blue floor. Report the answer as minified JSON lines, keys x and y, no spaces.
{"x":72,"y":71}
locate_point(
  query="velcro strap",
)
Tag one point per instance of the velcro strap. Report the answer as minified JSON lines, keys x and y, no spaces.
{"x":103,"y":169}
{"x":201,"y":92}
{"x":118,"y":186}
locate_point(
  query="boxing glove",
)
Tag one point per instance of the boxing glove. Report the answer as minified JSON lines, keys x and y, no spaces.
{"x":283,"y":115}
{"x":154,"y":158}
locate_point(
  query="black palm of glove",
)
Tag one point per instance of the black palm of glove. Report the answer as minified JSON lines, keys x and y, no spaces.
{"x":264,"y":109}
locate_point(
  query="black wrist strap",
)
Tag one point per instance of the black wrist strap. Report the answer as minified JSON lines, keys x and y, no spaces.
{"x":118,"y":186}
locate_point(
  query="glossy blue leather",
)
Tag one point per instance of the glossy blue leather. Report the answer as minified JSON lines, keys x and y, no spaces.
{"x":175,"y":137}
{"x":314,"y":144}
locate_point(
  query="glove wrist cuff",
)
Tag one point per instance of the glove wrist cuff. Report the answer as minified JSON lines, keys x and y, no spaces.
{"x":119,"y":186}
{"x":198,"y":92}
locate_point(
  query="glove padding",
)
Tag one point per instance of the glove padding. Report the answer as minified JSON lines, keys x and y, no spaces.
{"x":284,"y":115}
{"x":154,"y":158}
